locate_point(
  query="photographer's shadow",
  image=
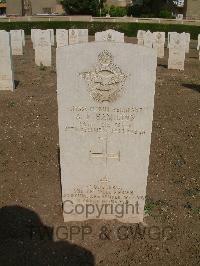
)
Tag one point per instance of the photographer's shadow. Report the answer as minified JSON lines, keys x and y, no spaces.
{"x":26,"y":241}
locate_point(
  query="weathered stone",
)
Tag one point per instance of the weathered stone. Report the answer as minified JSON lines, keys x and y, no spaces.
{"x":82,"y":35}
{"x":6,"y":66}
{"x":105,"y":110}
{"x":110,"y":36}
{"x":61,"y":37}
{"x":33,"y":33}
{"x":159,"y":43}
{"x":52,"y":36}
{"x":198,"y":45}
{"x":148,"y":39}
{"x":23,"y":38}
{"x":16,"y":42}
{"x":140,"y":37}
{"x":78,"y":36}
{"x":176,"y":52}
{"x":43,"y":48}
{"x":73,"y":36}
{"x":187,"y":42}
{"x":169,"y":35}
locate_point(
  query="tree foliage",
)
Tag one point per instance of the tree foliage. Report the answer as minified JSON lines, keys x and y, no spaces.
{"x":82,"y":7}
{"x":152,"y":8}
{"x":114,"y":11}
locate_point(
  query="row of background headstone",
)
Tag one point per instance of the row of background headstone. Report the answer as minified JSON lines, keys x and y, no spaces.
{"x":64,"y":37}
{"x":178,"y":44}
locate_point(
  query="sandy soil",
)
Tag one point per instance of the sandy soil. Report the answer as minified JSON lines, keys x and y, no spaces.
{"x":30,"y":225}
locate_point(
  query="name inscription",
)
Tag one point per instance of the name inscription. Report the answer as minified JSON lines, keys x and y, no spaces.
{"x":104,"y":119}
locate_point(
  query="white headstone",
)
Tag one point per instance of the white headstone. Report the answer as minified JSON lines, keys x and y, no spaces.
{"x":82,"y":35}
{"x":148,"y":39}
{"x":105,"y":113}
{"x":6,"y":67}
{"x":73,"y":36}
{"x":159,"y":43}
{"x":78,"y":36}
{"x":179,"y":17}
{"x":140,"y":37}
{"x":23,"y":38}
{"x":187,"y":42}
{"x":16,"y":42}
{"x":176,"y":52}
{"x":61,"y":37}
{"x":43,"y":48}
{"x":52,"y":36}
{"x":110,"y":36}
{"x":33,"y":34}
{"x":183,"y":38}
{"x":198,"y":45}
{"x":169,"y":35}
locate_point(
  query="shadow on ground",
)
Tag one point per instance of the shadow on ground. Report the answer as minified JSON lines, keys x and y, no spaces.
{"x":16,"y":83}
{"x":25,"y":240}
{"x":162,"y":65}
{"x":194,"y":87}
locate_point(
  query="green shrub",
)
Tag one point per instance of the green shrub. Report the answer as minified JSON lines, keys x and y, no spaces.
{"x":129,"y":29}
{"x":165,"y":14}
{"x":105,"y":11}
{"x":116,"y":11}
{"x":81,"y":7}
{"x":134,"y":10}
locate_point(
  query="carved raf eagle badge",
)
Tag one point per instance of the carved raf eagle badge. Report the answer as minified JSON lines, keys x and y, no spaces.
{"x":106,"y":80}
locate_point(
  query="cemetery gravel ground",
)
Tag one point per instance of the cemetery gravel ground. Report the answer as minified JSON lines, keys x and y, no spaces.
{"x":30,"y":175}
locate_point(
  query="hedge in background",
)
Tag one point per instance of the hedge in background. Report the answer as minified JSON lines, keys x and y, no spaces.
{"x":130,"y":29}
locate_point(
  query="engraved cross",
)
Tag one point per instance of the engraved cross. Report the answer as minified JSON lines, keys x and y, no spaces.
{"x":105,"y":154}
